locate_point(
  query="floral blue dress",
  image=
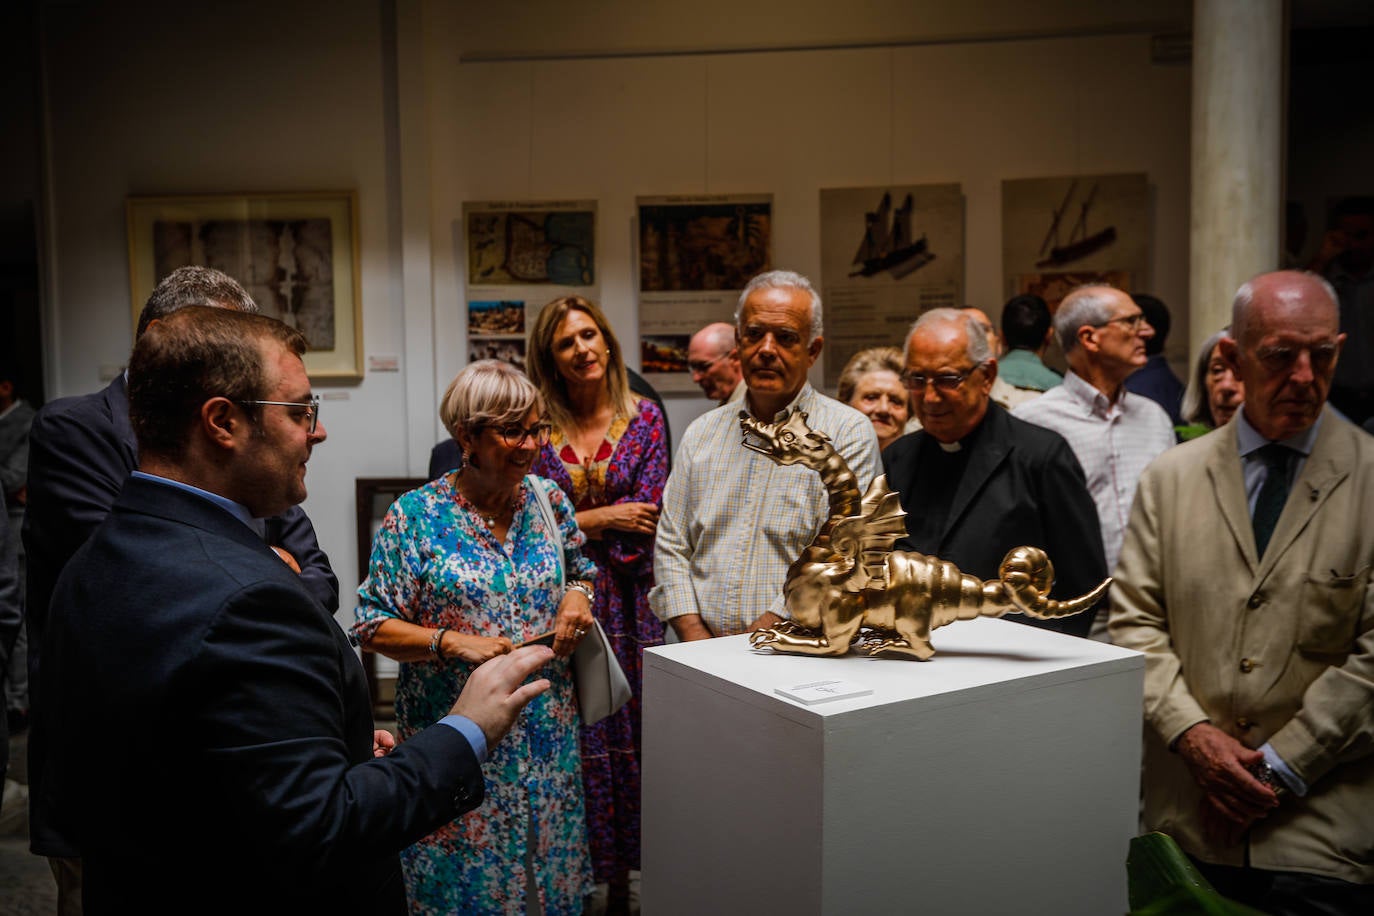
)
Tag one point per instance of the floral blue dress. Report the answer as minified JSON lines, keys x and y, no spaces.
{"x":436,"y":563}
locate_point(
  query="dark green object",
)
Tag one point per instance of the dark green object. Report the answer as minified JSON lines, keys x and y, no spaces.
{"x":1184,"y":433}
{"x":1163,"y":882}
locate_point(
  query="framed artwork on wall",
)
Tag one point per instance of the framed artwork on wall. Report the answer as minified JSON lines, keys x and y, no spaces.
{"x":295,"y":253}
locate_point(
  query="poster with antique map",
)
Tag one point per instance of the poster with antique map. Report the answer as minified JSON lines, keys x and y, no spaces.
{"x":520,"y":255}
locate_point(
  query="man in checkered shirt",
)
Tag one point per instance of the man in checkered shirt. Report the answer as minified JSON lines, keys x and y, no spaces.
{"x":733,"y":520}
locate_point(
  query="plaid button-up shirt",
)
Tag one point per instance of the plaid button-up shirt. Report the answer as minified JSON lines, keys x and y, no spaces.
{"x":733,"y":521}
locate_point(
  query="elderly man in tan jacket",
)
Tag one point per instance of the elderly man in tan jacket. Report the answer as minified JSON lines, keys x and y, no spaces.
{"x":1245,"y":580}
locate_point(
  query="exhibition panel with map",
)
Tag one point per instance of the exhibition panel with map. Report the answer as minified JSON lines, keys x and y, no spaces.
{"x":520,"y":255}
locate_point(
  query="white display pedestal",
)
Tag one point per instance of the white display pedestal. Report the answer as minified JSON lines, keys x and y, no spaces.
{"x":1000,"y":777}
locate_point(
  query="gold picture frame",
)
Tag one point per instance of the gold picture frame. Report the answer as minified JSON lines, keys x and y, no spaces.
{"x":295,"y":253}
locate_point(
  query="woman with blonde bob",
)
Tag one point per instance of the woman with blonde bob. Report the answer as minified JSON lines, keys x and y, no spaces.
{"x":464,"y":568}
{"x":608,"y":453}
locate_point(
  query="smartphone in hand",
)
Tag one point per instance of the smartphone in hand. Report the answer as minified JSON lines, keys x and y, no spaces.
{"x":544,"y":640}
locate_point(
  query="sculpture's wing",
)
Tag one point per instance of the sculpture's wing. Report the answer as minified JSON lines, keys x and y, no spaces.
{"x":871,"y":534}
{"x":884,"y":525}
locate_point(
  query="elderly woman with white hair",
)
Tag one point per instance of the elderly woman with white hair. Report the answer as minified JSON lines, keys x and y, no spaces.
{"x":1214,"y":393}
{"x":463,"y":569}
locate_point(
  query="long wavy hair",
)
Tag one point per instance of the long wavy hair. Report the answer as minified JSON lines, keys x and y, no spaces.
{"x":543,"y":371}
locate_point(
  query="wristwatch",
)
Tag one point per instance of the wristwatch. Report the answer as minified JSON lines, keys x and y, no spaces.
{"x":581,"y":585}
{"x":1266,"y":776}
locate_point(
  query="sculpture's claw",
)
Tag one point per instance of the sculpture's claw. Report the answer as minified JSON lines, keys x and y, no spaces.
{"x":877,"y":646}
{"x":762,"y":638}
{"x":790,"y":637}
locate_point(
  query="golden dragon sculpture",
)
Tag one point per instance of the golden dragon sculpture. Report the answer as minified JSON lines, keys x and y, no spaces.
{"x":849,"y":588}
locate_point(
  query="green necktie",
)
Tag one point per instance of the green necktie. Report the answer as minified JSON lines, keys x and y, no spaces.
{"x":1273,"y":492}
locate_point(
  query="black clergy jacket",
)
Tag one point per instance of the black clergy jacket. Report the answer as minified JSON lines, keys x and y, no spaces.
{"x":1022,"y":486}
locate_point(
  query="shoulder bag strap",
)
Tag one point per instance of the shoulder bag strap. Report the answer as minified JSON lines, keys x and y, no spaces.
{"x":541,"y":496}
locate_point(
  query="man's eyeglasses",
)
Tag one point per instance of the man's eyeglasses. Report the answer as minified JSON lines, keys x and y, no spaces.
{"x":309,"y":410}
{"x":513,"y":434}
{"x":1281,"y":359}
{"x":1129,"y":322}
{"x":914,"y":381}
{"x":697,"y":367}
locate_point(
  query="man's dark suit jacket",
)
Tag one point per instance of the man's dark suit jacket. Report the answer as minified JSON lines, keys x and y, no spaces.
{"x":1022,"y":486}
{"x":447,"y":456}
{"x":81,"y":450}
{"x":215,"y":749}
{"x":1156,"y":381}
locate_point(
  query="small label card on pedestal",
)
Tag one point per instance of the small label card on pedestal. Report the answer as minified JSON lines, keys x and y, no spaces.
{"x":823,"y":691}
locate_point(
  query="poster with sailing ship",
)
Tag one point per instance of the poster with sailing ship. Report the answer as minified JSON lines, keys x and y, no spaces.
{"x":695,"y":254}
{"x":520,"y":255}
{"x":888,"y":253}
{"x":1059,"y":233}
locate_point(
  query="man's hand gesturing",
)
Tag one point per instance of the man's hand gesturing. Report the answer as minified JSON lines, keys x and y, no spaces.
{"x":496,"y":692}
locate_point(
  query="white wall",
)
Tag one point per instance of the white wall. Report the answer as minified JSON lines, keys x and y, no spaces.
{"x":285,"y":95}
{"x":792,"y":122}
{"x":254,"y":96}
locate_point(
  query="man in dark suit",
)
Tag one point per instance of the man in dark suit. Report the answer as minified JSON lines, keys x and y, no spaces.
{"x":447,"y":456}
{"x":262,"y":786}
{"x":81,"y":451}
{"x":976,"y":482}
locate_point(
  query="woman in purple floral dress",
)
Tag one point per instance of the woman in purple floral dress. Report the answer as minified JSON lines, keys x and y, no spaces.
{"x":608,"y":453}
{"x":463,"y":568}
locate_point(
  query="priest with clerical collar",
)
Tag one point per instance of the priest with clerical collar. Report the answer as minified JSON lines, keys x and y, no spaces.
{"x":976,"y":482}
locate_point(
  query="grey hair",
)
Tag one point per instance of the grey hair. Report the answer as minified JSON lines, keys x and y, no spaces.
{"x":488,"y":391}
{"x":1245,"y":297}
{"x":194,"y":285}
{"x":977,"y":349}
{"x":1086,"y":304}
{"x":784,"y":279}
{"x":1195,"y":408}
{"x":874,"y":359}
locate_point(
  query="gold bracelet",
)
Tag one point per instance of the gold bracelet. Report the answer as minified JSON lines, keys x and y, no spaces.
{"x":436,"y":642}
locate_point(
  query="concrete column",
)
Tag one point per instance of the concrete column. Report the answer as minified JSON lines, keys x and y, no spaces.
{"x":1236,"y":182}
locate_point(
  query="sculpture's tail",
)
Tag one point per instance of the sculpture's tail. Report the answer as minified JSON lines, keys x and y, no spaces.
{"x":1026,"y":575}
{"x":1049,"y":608}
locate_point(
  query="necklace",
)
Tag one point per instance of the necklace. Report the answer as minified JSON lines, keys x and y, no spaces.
{"x":489,"y":517}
